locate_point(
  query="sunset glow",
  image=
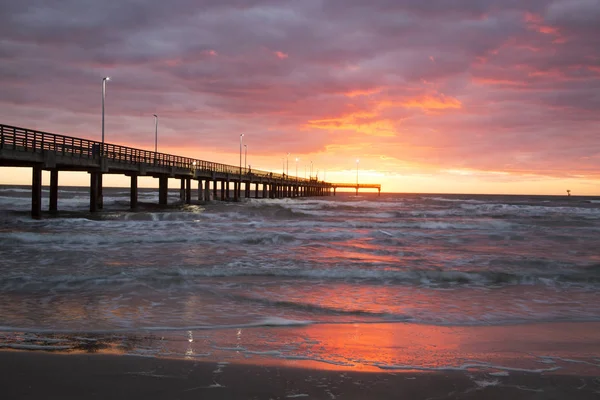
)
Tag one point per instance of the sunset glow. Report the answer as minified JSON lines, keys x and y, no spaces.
{"x":476,"y":97}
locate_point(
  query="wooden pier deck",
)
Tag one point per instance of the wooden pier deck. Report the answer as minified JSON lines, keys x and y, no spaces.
{"x":21,"y":147}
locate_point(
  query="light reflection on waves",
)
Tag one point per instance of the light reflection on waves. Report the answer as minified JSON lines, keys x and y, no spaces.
{"x":460,"y":262}
{"x":243,"y":305}
{"x":161,"y":278}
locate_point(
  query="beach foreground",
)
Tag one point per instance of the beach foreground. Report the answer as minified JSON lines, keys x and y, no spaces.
{"x":36,"y":375}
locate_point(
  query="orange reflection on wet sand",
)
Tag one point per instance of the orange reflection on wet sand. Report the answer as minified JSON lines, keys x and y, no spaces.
{"x":400,"y":346}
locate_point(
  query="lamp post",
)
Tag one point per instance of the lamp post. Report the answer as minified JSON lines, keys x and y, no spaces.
{"x":241,"y":138}
{"x":239,"y":186}
{"x":296,"y":168}
{"x":282,"y":166}
{"x":104,"y":80}
{"x":311,"y":165}
{"x":155,"y":133}
{"x":245,"y":156}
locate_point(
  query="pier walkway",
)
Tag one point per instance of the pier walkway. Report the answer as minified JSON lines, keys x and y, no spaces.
{"x":21,"y":147}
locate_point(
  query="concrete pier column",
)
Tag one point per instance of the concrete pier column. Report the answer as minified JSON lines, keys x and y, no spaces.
{"x":182,"y":190}
{"x":36,"y":192}
{"x":215,"y":189}
{"x":100,"y":194}
{"x":200,"y":190}
{"x":163,"y":190}
{"x":227,"y":189}
{"x":236,"y":185}
{"x":207,"y":190}
{"x":222,"y":190}
{"x":133,"y":192}
{"x":357,"y":190}
{"x":256,"y":190}
{"x":53,"y":206}
{"x":94,"y":191}
{"x":188,"y":190}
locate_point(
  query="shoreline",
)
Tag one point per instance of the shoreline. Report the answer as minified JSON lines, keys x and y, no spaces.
{"x":570,"y":347}
{"x":33,"y":375}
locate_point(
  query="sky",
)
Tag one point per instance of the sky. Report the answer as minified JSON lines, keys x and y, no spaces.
{"x":437,"y":96}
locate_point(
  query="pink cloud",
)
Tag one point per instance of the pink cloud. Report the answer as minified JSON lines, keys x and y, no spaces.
{"x":479,"y":85}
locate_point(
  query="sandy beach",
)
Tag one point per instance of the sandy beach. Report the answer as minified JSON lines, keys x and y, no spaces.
{"x":37,"y":375}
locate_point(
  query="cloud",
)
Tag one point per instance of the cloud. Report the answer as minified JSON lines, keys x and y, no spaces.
{"x":491,"y":85}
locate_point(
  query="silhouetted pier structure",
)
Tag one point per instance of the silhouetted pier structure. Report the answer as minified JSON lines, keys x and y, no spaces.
{"x":21,"y":147}
{"x":357,"y":186}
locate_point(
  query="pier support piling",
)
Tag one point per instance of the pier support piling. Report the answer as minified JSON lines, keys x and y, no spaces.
{"x":53,"y":206}
{"x":163,"y":190}
{"x":94,"y":191}
{"x":100,"y":194}
{"x":207,"y":190}
{"x":36,"y":192}
{"x":133,"y":192}
{"x":188,"y":190}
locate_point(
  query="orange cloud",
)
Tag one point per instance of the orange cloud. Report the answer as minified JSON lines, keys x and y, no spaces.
{"x":432,"y":103}
{"x":492,"y":81}
{"x":366,"y":92}
{"x":536,"y":23}
{"x":361,"y":122}
{"x":281,"y":55}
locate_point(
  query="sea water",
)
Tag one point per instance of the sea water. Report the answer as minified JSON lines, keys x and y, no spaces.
{"x":218,"y":273}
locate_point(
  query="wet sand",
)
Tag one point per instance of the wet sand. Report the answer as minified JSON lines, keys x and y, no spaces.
{"x":43,"y":375}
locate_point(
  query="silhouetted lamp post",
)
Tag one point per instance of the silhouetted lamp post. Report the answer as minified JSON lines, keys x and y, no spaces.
{"x":104,"y":80}
{"x":155,"y":133}
{"x":241,"y":138}
{"x":245,"y":156}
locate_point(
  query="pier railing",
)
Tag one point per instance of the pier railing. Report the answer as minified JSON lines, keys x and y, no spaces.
{"x":27,"y":140}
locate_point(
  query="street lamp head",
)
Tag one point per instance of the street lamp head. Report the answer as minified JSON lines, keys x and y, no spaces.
{"x":241,"y":134}
{"x":107,"y":78}
{"x":357,"y":160}
{"x":297,"y":159}
{"x":155,"y":115}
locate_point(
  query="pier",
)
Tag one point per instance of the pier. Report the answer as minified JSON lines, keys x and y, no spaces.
{"x":357,"y":186}
{"x":21,"y":147}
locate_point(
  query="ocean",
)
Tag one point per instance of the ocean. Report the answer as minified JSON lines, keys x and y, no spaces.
{"x":400,"y":281}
